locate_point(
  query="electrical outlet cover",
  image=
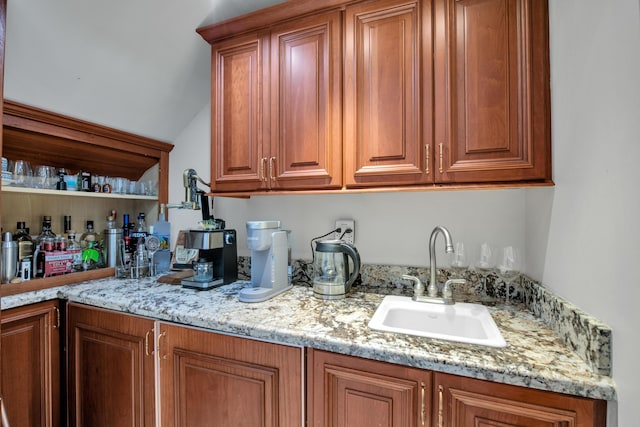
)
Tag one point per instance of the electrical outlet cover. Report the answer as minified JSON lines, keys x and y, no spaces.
{"x":344,"y":224}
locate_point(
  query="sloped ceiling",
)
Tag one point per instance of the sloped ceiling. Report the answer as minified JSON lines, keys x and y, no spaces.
{"x":135,"y":65}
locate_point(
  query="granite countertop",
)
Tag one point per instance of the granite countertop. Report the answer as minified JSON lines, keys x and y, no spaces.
{"x":534,"y":356}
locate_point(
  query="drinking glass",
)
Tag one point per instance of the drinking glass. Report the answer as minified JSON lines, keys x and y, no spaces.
{"x":484,"y":266}
{"x":459,"y":261}
{"x":508,"y":268}
{"x":45,"y":177}
{"x":22,"y":173}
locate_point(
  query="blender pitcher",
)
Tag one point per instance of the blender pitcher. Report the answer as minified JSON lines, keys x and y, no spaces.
{"x":331,"y":276}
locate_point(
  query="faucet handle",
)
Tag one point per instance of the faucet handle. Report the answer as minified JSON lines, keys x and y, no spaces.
{"x":418,"y":288}
{"x":447,"y":292}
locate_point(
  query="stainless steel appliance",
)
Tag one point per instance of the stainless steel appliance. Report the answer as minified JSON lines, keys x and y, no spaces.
{"x":331,"y":276}
{"x":217,"y":247}
{"x":269,"y":247}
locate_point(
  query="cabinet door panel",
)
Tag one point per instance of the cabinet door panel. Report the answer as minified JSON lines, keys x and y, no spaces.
{"x":306,"y":138}
{"x":237,"y":113}
{"x":111,"y":370}
{"x":226,"y":387}
{"x":387,"y":138}
{"x":349,"y":391}
{"x":213,"y":379}
{"x":465,"y":401}
{"x":31,"y":365}
{"x":491,"y":89}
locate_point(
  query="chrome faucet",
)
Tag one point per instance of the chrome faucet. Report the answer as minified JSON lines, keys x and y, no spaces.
{"x":432,"y":289}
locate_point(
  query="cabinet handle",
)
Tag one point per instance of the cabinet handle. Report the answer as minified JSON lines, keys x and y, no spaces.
{"x":440,"y":410}
{"x":58,"y":320}
{"x":146,"y":344}
{"x":423,"y":410}
{"x":440,"y":157}
{"x":426,"y":150}
{"x":263,"y":162}
{"x":160,"y":356}
{"x":272,"y":168}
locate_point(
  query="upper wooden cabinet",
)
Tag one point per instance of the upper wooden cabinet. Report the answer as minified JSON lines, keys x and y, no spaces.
{"x":438,"y":92}
{"x":277,"y":108}
{"x":492,"y":108}
{"x":387,"y":89}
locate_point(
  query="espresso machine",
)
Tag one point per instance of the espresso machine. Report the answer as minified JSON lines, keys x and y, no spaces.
{"x":269,"y":247}
{"x":217,"y":258}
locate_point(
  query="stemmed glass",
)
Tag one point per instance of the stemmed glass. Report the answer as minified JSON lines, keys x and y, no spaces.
{"x":509,"y":267}
{"x":459,"y":261}
{"x":484,"y":266}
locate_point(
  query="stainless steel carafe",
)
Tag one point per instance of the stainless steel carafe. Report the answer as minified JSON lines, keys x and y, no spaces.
{"x":9,"y":258}
{"x":111,"y":238}
{"x":331,"y":276}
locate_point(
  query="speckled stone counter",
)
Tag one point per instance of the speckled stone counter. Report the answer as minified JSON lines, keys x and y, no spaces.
{"x":534,"y":357}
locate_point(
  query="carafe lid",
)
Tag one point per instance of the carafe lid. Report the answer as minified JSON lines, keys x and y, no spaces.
{"x":330,"y":245}
{"x":260,"y":225}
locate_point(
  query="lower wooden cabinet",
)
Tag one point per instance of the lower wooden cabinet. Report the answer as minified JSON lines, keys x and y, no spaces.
{"x":206,"y":379}
{"x":212,"y":379}
{"x":31,"y":364}
{"x":349,"y":391}
{"x":462,"y":402}
{"x":111,"y":368}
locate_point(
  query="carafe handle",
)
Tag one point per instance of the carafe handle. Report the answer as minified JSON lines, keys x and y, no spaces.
{"x":355,"y":256}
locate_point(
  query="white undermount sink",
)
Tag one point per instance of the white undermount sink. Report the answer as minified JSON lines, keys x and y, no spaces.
{"x":461,"y":322}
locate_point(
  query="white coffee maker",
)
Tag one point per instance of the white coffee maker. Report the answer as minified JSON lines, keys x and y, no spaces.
{"x":269,"y":247}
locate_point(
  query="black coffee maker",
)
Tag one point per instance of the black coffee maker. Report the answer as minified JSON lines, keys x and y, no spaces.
{"x":217,"y":247}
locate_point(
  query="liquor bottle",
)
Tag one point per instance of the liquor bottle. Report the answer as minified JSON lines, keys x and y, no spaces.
{"x":162,"y":257}
{"x":140,"y":234}
{"x":84,"y":181}
{"x":66,"y":225}
{"x":25,"y":250}
{"x":126,"y":237}
{"x":92,"y":256}
{"x":44,"y":242}
{"x":46,"y":231}
{"x":88,"y":236}
{"x":74,"y":247}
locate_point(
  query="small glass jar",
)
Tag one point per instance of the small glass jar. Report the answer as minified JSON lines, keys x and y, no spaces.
{"x":203,"y":271}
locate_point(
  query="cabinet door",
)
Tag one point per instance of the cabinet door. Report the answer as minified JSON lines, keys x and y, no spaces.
{"x":111,"y":368}
{"x":31,"y":364}
{"x":210,"y":379}
{"x":306,"y":96}
{"x":492,"y":120}
{"x":465,"y":402}
{"x":349,"y":391}
{"x":239,"y":113}
{"x":388,"y":95}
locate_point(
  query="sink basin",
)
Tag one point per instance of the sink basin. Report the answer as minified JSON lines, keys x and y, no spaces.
{"x":461,"y":322}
